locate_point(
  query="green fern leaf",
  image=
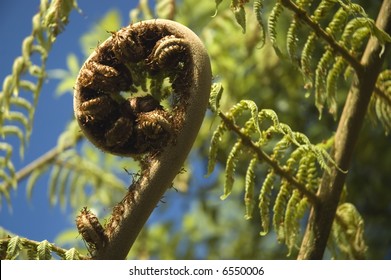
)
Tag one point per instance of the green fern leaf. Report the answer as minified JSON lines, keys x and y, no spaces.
{"x":71,"y":254}
{"x":44,"y":249}
{"x":291,"y":221}
{"x":257,"y":7}
{"x":380,"y":104}
{"x":215,"y":96}
{"x":230,"y":168}
{"x":272,"y":26}
{"x":307,"y":58}
{"x":237,"y":7}
{"x":279,"y":209}
{"x":331,"y":87}
{"x":14,"y":247}
{"x":214,"y":145}
{"x":339,"y":19}
{"x":292,"y":40}
{"x":249,"y":188}
{"x":324,"y":8}
{"x":320,"y":79}
{"x":264,"y":201}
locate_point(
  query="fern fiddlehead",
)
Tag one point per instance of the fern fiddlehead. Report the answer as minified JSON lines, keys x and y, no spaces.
{"x":139,"y":126}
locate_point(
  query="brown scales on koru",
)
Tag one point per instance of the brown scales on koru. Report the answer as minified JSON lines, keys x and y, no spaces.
{"x":139,"y":126}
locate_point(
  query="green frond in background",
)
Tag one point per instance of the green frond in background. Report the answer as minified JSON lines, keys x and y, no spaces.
{"x":17,"y":111}
{"x":347,"y":235}
{"x":324,"y":42}
{"x":380,"y":105}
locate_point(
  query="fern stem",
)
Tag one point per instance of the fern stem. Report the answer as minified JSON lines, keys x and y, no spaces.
{"x":262,"y":156}
{"x":322,"y":215}
{"x":320,"y":32}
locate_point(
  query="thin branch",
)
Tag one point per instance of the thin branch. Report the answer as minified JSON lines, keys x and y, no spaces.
{"x":262,"y":156}
{"x":321,"y":33}
{"x":322,"y":216}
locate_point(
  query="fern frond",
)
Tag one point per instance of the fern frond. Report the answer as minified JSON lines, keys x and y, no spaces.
{"x":272,"y":26}
{"x":279,"y":209}
{"x":13,"y":247}
{"x":296,"y":208}
{"x":249,"y":188}
{"x":44,"y":250}
{"x":307,"y":58}
{"x":214,"y":145}
{"x":17,"y":112}
{"x":265,"y":200}
{"x":237,"y":7}
{"x":232,"y":160}
{"x":380,"y":104}
{"x":215,"y":96}
{"x":348,"y":232}
{"x":339,"y":19}
{"x":324,"y":8}
{"x":257,"y":7}
{"x":292,"y":40}
{"x":331,"y":85}
{"x":320,"y":79}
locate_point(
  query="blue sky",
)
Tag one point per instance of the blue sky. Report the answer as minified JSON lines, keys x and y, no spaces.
{"x":36,"y":219}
